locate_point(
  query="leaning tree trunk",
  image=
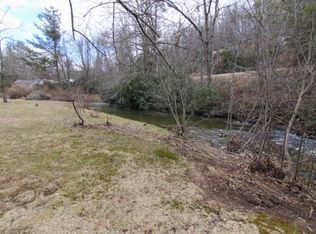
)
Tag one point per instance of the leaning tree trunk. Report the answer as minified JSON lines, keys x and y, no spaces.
{"x":289,"y":127}
{"x":81,"y":120}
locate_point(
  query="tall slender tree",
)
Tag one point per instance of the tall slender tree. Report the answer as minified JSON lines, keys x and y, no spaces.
{"x":49,"y":41}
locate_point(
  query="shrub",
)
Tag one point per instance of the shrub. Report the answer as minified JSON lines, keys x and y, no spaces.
{"x":16,"y":91}
{"x":60,"y":94}
{"x":204,"y":98}
{"x":132,"y":93}
{"x":244,"y":61}
{"x":51,"y":85}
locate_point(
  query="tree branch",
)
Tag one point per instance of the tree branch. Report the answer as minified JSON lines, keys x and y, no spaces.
{"x":172,"y":5}
{"x":139,"y":20}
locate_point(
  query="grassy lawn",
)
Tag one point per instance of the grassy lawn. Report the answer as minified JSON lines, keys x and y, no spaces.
{"x":53,"y":173}
{"x":55,"y":178}
{"x":39,"y":140}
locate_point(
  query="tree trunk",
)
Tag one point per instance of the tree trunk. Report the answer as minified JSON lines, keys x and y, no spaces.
{"x":208,"y":61}
{"x":56,"y":58}
{"x":2,"y":75}
{"x":297,"y":167}
{"x":5,"y":99}
{"x":57,"y":70}
{"x":207,"y":43}
{"x":289,"y":127}
{"x":2,"y":83}
{"x":81,"y":123}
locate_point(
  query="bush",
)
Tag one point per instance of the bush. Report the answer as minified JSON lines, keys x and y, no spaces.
{"x":243,"y":62}
{"x":132,"y":93}
{"x":60,"y":94}
{"x":204,"y":98}
{"x":51,"y":84}
{"x":16,"y":91}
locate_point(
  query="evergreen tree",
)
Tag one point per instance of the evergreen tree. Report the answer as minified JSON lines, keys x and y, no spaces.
{"x":49,"y":42}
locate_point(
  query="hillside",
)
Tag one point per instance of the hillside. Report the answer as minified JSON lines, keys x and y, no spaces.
{"x":242,"y":79}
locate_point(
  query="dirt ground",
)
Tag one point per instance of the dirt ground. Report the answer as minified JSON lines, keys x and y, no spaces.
{"x":226,"y":178}
{"x":129,"y":178}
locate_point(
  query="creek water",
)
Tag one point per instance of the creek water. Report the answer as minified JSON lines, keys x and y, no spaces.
{"x":211,"y":130}
{"x":165,"y":119}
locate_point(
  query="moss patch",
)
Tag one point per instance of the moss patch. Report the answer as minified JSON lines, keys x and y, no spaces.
{"x":195,"y":205}
{"x":165,"y":153}
{"x":272,"y":224}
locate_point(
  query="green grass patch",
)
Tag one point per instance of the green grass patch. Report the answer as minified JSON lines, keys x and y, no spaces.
{"x":180,"y":206}
{"x":177,"y":205}
{"x":272,"y":224}
{"x":126,"y":147}
{"x":57,"y":204}
{"x":164,"y":153}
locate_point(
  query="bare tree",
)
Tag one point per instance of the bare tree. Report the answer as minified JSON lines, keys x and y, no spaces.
{"x":211,"y":12}
{"x":305,"y":50}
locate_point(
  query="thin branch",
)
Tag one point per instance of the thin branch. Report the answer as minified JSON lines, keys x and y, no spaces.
{"x":96,"y":6}
{"x":72,"y":19}
{"x":172,"y":44}
{"x":172,"y":5}
{"x":113,"y":35}
{"x":137,"y":17}
{"x":139,"y":20}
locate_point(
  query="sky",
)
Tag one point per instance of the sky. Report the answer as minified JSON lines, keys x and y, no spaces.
{"x":19,"y":16}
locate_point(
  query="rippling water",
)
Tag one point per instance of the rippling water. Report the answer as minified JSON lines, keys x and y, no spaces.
{"x":277,"y":136}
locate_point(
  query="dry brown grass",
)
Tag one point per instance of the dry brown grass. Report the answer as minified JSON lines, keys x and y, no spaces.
{"x":242,"y":78}
{"x":58,"y":179}
{"x":16,"y":91}
{"x":92,"y":98}
{"x":120,"y":179}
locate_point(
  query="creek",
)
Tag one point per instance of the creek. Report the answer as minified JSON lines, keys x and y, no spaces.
{"x":211,"y":130}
